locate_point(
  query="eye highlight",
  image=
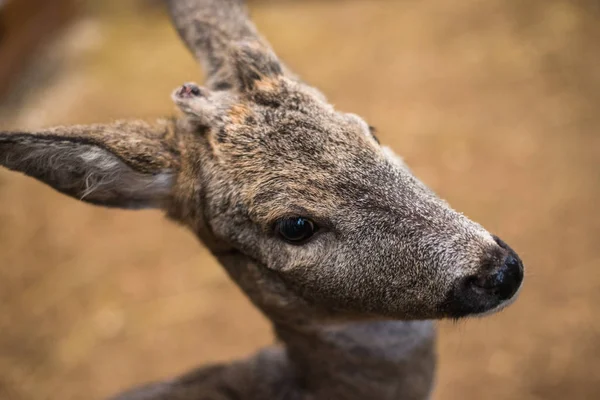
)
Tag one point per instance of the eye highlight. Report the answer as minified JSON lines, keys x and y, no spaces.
{"x":295,"y":230}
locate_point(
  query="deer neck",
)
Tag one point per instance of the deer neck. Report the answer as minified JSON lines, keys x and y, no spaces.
{"x":345,"y":361}
{"x":381,"y":359}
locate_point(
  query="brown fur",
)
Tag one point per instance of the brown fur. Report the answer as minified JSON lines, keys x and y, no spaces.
{"x":257,"y":146}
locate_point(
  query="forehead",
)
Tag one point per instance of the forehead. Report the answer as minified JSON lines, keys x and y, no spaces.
{"x":288,"y":123}
{"x":286,"y":150}
{"x":296,"y":153}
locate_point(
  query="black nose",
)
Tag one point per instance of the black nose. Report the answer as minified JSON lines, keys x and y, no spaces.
{"x":497,"y":280}
{"x":504,"y":280}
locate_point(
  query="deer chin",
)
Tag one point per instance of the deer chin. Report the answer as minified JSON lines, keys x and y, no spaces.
{"x":500,"y":306}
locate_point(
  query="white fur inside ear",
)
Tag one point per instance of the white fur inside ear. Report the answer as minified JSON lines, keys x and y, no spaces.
{"x":100,"y":158}
{"x":107,"y":175}
{"x":92,"y":174}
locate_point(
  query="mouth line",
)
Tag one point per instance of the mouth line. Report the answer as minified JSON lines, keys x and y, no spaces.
{"x":457,"y":307}
{"x":499,"y":307}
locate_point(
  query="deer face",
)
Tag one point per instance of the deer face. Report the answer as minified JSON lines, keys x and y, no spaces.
{"x":328,"y":216}
{"x":307,"y":211}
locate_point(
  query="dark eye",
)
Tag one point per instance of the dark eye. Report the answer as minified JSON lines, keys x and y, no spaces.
{"x":295,"y":230}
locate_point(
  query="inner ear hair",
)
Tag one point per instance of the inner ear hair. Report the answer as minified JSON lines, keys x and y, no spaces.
{"x":125,"y":164}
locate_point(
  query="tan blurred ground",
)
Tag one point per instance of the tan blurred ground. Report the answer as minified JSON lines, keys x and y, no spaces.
{"x":494,"y":103}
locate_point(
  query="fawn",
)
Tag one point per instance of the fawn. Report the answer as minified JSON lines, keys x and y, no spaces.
{"x":325,"y":230}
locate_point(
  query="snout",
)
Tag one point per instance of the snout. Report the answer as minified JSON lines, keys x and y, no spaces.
{"x":492,"y":287}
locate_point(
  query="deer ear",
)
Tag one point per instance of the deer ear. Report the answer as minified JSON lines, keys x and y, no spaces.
{"x":256,"y":66}
{"x":125,"y":164}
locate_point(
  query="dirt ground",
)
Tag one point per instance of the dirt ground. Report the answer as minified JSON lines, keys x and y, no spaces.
{"x":493,"y":103}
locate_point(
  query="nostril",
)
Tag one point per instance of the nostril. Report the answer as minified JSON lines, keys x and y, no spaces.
{"x":503,"y":282}
{"x":483,"y":282}
{"x":495,"y":282}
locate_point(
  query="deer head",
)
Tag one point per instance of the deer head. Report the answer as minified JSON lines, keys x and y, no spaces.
{"x":309,"y":214}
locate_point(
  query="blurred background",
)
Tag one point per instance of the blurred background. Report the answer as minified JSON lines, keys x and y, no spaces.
{"x":493,"y":103}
